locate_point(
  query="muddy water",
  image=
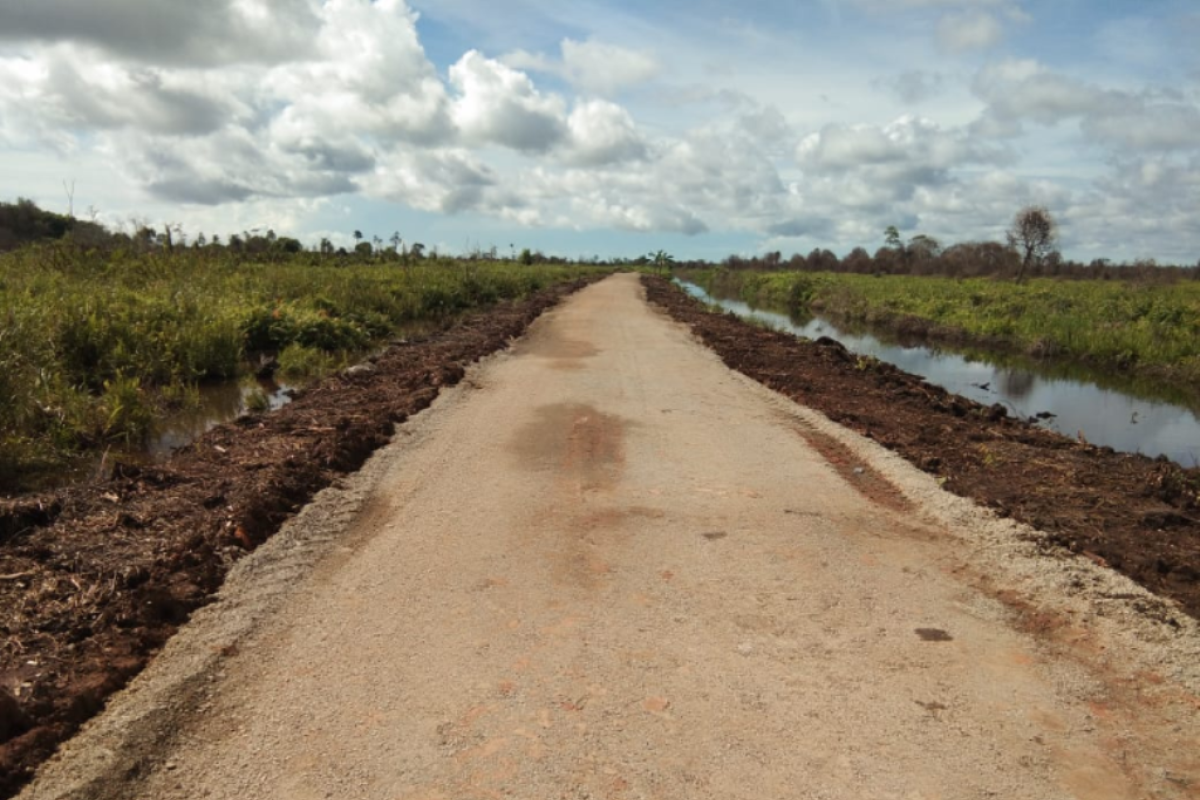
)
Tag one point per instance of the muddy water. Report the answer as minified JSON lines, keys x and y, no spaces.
{"x":1106,"y":409}
{"x":218,"y":403}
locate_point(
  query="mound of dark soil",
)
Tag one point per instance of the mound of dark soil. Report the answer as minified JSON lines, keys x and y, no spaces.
{"x":1137,"y":515}
{"x":94,"y":579}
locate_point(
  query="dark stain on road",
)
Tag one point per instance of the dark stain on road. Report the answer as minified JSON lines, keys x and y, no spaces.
{"x":579,"y":444}
{"x":934,"y":635}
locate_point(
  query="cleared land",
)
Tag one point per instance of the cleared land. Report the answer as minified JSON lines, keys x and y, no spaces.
{"x":607,"y":566}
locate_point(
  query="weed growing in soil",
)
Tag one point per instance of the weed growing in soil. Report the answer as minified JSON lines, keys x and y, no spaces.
{"x":299,"y":361}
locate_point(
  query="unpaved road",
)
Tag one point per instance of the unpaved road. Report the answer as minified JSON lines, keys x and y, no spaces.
{"x":608,"y":567}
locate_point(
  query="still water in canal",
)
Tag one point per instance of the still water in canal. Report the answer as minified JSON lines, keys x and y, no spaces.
{"x":1109,"y":410}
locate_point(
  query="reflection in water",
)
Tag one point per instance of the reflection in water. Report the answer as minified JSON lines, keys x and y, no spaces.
{"x":219,"y":402}
{"x":1111,"y":414}
{"x":1016,"y":383}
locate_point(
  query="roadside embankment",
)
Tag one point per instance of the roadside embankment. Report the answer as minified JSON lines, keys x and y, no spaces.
{"x":1147,"y":331}
{"x":94,"y":579}
{"x":1136,"y":515}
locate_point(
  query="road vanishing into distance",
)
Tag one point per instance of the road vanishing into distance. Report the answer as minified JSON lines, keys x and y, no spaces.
{"x":606,"y":566}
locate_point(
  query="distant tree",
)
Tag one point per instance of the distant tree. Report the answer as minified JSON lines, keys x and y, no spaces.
{"x":969,"y":259}
{"x":396,"y":240}
{"x":858,"y":261}
{"x":145,"y":237}
{"x":363,"y":248}
{"x":822,"y":260}
{"x":924,"y":246}
{"x":887,"y":260}
{"x":256,"y":243}
{"x":24,"y":222}
{"x":1032,"y":234}
{"x":527,"y":257}
{"x":891,"y":238}
{"x":417,"y":251}
{"x":663,"y":261}
{"x":358,"y":236}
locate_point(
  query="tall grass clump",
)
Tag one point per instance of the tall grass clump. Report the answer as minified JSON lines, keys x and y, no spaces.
{"x":93,"y":345}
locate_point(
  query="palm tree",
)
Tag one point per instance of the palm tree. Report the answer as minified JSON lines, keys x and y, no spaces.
{"x":663,"y":260}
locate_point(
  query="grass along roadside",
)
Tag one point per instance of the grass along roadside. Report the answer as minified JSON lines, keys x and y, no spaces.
{"x":94,"y":346}
{"x":1152,"y":330}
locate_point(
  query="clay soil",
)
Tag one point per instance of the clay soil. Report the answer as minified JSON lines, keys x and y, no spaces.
{"x":1136,"y":515}
{"x":94,"y":579}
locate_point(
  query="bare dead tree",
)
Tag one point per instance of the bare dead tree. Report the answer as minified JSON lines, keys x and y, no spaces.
{"x":70,"y":190}
{"x":1032,"y":234}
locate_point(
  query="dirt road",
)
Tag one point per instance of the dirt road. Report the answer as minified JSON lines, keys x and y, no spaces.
{"x":606,"y":566}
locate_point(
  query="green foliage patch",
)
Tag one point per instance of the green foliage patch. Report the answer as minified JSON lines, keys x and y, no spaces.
{"x":93,"y":345}
{"x":1127,"y":325}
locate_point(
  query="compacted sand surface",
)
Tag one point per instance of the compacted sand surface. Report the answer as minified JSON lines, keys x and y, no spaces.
{"x":606,"y":566}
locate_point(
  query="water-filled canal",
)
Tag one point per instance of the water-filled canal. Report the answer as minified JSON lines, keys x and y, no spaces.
{"x":1083,"y":401}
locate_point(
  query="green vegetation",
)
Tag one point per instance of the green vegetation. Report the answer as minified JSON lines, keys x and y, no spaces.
{"x":662,"y":260}
{"x":1127,"y":325}
{"x":93,"y":345}
{"x":23,"y":222}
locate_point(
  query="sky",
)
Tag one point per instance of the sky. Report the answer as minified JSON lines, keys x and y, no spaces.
{"x":583,"y":128}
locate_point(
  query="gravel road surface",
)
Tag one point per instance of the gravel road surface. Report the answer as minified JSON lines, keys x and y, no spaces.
{"x":608,"y":567}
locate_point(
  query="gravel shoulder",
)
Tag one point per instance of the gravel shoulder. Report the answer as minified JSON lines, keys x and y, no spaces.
{"x":606,"y":565}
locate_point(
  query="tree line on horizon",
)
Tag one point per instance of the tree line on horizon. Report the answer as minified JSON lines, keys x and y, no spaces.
{"x":1029,"y":251}
{"x":23,"y":223}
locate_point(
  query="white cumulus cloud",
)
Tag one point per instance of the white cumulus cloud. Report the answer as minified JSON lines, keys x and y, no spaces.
{"x":605,"y":69}
{"x":499,"y":105}
{"x":603,"y":133}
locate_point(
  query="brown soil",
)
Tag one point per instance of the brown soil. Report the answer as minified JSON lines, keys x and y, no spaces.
{"x":94,"y":579}
{"x":1138,"y":516}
